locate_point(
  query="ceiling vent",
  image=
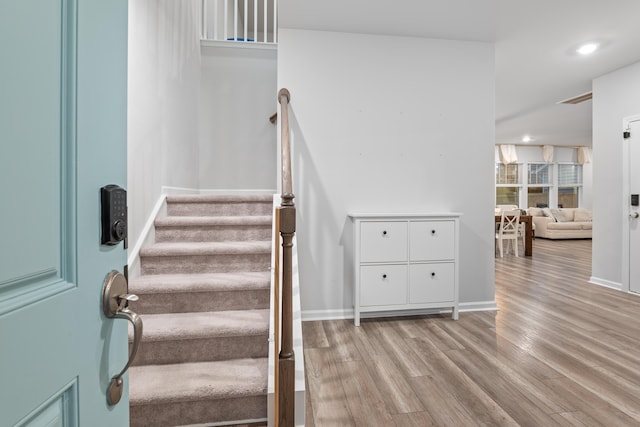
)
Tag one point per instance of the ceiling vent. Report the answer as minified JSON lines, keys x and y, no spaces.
{"x":578,"y":99}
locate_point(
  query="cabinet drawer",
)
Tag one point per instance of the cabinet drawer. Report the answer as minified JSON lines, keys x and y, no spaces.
{"x":383,"y":241}
{"x":383,"y":285}
{"x":431,"y":282}
{"x":432,"y":240}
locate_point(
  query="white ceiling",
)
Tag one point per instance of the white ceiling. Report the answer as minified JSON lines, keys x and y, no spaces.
{"x":535,"y":41}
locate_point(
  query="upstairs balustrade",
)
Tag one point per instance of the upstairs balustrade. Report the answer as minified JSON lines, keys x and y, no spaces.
{"x":249,"y":21}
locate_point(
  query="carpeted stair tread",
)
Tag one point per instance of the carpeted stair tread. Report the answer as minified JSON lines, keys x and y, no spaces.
{"x":220,"y":198}
{"x":204,"y":301}
{"x":220,"y":205}
{"x":179,"y":293}
{"x":205,"y":221}
{"x":185,"y":326}
{"x":183,"y":382}
{"x":205,"y":248}
{"x":203,"y":282}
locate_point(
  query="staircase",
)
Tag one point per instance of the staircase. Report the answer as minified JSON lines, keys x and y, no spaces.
{"x":204,"y":295}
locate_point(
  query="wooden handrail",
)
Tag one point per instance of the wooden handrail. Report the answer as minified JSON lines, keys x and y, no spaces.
{"x":287,"y":184}
{"x":285,"y":411}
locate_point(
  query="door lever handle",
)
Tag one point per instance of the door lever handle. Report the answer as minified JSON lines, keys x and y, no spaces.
{"x":634,"y":215}
{"x":115,"y":304}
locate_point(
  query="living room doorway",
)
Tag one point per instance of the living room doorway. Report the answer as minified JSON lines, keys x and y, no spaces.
{"x":631,"y":192}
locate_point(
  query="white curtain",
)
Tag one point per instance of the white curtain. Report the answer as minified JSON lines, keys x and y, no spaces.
{"x":547,"y":153}
{"x":584,"y":155}
{"x":508,"y":154}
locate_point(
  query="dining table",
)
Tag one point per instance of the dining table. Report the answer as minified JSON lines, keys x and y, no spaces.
{"x":528,"y":232}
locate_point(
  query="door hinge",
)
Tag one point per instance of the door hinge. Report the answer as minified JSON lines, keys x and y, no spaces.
{"x":626,"y":134}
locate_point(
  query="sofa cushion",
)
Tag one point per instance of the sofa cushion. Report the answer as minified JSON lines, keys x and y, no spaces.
{"x":567,"y":225}
{"x":582,"y":215}
{"x":569,"y":214}
{"x":534,"y":211}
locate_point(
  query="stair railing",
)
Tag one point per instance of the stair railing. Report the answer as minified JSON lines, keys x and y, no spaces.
{"x":254,"y":21}
{"x":286,"y":224}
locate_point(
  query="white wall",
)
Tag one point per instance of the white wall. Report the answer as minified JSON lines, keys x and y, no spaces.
{"x":533,"y":154}
{"x":387,"y":124}
{"x":164,"y":80}
{"x":615,"y":96}
{"x":237,"y":143}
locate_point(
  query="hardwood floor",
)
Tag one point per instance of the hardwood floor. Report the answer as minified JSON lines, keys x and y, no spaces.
{"x":559,"y":352}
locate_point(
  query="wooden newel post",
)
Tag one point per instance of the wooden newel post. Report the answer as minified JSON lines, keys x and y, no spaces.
{"x":286,"y":359}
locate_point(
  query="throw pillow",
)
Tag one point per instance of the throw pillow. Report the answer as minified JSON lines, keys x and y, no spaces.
{"x":558,"y":216}
{"x":547,"y":212}
{"x":583,"y":215}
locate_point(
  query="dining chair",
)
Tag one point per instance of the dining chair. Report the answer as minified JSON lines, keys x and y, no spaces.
{"x":508,"y":231}
{"x":522,"y":230}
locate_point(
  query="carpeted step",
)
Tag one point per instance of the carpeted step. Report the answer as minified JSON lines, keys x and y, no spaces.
{"x":212,"y":229}
{"x":205,"y":257}
{"x":202,"y":337}
{"x":179,"y":293}
{"x":219,"y":205}
{"x":204,"y":290}
{"x":196,"y":393}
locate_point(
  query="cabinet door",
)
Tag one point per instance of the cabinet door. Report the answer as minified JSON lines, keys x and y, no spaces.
{"x":432,"y":240}
{"x":431,"y":283}
{"x":383,"y":241}
{"x":383,"y":285}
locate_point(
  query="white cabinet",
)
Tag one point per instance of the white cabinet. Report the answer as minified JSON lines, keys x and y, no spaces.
{"x":405,"y":262}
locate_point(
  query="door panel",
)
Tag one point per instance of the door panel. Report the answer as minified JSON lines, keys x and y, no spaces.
{"x":63,"y":133}
{"x":60,"y":411}
{"x":32,"y":121}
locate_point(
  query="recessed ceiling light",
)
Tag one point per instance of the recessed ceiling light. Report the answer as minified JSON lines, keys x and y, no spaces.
{"x":587,"y":48}
{"x":526,"y":138}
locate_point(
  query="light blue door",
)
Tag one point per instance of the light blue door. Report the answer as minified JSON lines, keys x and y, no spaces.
{"x":63,"y":68}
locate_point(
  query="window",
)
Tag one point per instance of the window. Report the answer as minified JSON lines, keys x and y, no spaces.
{"x":538,"y":197}
{"x":569,"y":185}
{"x":507,"y":174}
{"x":508,"y":184}
{"x":538,"y":184}
{"x":507,"y":196}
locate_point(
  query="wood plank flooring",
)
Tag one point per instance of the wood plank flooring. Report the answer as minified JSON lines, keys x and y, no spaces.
{"x":559,"y":352}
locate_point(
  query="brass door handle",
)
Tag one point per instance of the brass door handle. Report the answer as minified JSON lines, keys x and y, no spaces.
{"x":115,"y":304}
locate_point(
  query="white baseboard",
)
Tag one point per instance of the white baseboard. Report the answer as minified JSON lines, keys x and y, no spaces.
{"x":478,"y":306}
{"x":309,"y":315}
{"x":147,"y":236}
{"x":166,"y":190}
{"x":338,"y":314}
{"x":605,"y":283}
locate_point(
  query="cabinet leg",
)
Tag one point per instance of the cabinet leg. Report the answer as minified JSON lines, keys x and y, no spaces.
{"x":356,"y":318}
{"x":454,"y":313}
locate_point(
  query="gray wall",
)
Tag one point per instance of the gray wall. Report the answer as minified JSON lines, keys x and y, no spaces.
{"x":237,"y":142}
{"x":615,"y":96}
{"x":164,"y":80}
{"x":387,"y":124}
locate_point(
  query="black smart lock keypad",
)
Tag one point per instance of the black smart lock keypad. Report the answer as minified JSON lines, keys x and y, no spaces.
{"x":114,"y":214}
